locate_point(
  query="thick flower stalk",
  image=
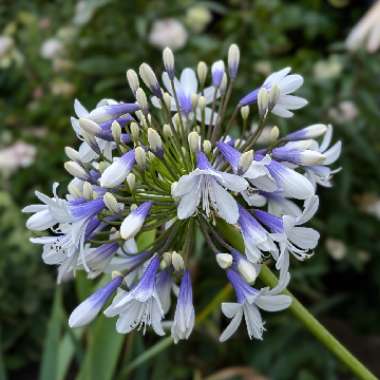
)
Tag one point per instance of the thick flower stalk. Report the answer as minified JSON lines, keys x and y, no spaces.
{"x":167,"y":161}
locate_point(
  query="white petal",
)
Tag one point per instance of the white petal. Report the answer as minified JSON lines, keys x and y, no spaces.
{"x":40,"y":221}
{"x":229,"y":309}
{"x":326,"y":139}
{"x":277,"y":76}
{"x":273,"y":303}
{"x":189,"y":203}
{"x":186,"y":184}
{"x":233,"y":182}
{"x":291,"y":102}
{"x":224,"y":203}
{"x":303,"y":237}
{"x":290,"y":83}
{"x":310,"y":208}
{"x":232,"y":326}
{"x":281,"y":111}
{"x":332,"y":154}
{"x":80,"y":111}
{"x":254,"y":322}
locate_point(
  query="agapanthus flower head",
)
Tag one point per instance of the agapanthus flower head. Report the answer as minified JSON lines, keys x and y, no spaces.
{"x":164,"y":161}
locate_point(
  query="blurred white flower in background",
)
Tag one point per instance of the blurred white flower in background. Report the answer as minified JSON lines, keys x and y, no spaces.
{"x":18,"y":155}
{"x":6,"y":44}
{"x":345,"y":112}
{"x":168,"y":33}
{"x":336,"y":248}
{"x":61,"y":88}
{"x":328,"y":69}
{"x":366,"y":33}
{"x":197,"y":18}
{"x":52,"y":48}
{"x":85,"y":10}
{"x":8,"y":52}
{"x":369,"y":203}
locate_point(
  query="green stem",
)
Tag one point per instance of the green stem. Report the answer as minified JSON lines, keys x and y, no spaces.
{"x":304,"y":316}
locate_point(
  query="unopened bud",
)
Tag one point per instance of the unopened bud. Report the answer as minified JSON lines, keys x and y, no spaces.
{"x":140,"y":157}
{"x":133,"y":80}
{"x":224,"y":260}
{"x":75,"y":170}
{"x":131,"y":180}
{"x":167,"y":99}
{"x":150,"y":79}
{"x":194,"y":100}
{"x":111,"y":202}
{"x":223,"y":84}
{"x":142,"y":100}
{"x":248,"y":270}
{"x":72,"y":154}
{"x":154,"y":140}
{"x":194,"y":141}
{"x":88,"y":190}
{"x":116,"y":131}
{"x":167,"y":131}
{"x":177,"y":262}
{"x":207,"y":147}
{"x":244,"y":111}
{"x":167,"y":257}
{"x":262,"y":101}
{"x":90,"y":140}
{"x":233,"y":60}
{"x":75,"y":188}
{"x":89,"y":126}
{"x":116,"y":273}
{"x":245,"y":161}
{"x":168,"y":58}
{"x":202,"y":72}
{"x":202,"y":103}
{"x":274,"y":134}
{"x":274,"y":94}
{"x":135,"y":131}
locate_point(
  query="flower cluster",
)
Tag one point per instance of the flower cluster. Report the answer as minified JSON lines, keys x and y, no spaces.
{"x":167,"y":162}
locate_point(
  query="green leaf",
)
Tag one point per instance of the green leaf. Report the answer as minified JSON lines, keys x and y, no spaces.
{"x":49,"y":365}
{"x":103,"y":351}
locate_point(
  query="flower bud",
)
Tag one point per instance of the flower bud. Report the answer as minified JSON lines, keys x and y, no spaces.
{"x":167,"y":131}
{"x":150,"y":79}
{"x":111,"y":202}
{"x":274,"y":94}
{"x":248,"y":270}
{"x":262,"y":101}
{"x":207,"y":147}
{"x":274,"y":134}
{"x":217,"y":71}
{"x":233,"y":60}
{"x":154,"y":140}
{"x":194,"y":141}
{"x":177,"y":261}
{"x":311,"y":157}
{"x":140,"y":157}
{"x":194,"y":100}
{"x":131,"y":180}
{"x":116,"y":131}
{"x":89,"y":126}
{"x":245,"y":161}
{"x":87,"y":190}
{"x":167,"y":257}
{"x":168,"y":58}
{"x":202,"y":103}
{"x":91,"y":141}
{"x":75,"y":188}
{"x":75,"y":170}
{"x":223,"y":84}
{"x":133,"y":80}
{"x":167,"y":100}
{"x":72,"y":154}
{"x":224,"y":260}
{"x":202,"y":72}
{"x":244,"y":111}
{"x":142,"y":100}
{"x":135,"y":131}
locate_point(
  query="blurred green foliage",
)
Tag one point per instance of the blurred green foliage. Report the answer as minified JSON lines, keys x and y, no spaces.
{"x":98,"y":40}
